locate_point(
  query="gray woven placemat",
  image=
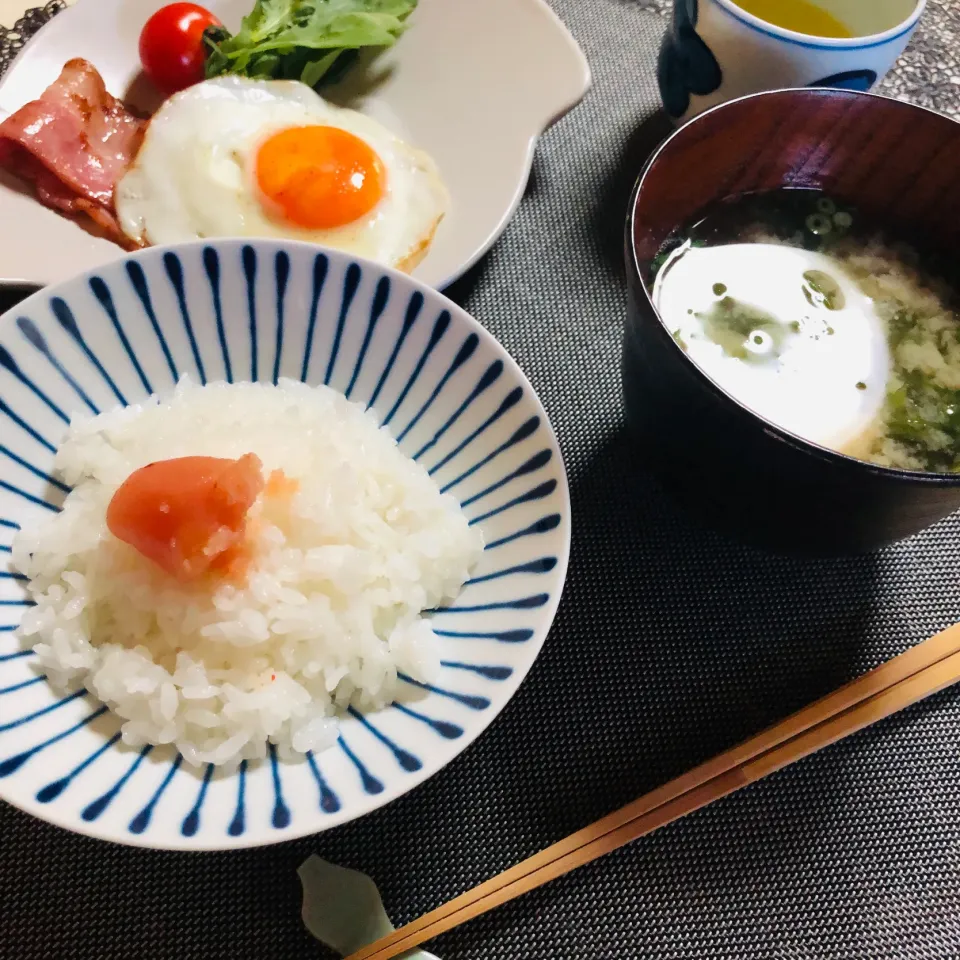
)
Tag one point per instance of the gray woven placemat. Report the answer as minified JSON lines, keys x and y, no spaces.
{"x":671,"y":643}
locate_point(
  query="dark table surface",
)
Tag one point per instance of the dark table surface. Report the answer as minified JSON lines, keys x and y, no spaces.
{"x":671,"y":644}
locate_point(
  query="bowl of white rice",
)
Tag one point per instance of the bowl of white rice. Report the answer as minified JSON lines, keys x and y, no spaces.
{"x":183,"y":666}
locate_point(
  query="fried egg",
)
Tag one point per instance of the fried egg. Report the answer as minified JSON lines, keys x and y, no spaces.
{"x":254,"y":158}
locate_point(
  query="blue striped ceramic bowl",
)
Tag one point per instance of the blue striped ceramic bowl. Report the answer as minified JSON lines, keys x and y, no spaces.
{"x":235,"y":311}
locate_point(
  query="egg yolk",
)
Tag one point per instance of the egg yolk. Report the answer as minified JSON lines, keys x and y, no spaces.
{"x":319,"y":177}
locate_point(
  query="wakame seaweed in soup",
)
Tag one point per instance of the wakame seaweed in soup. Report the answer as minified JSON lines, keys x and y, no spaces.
{"x":822,"y":322}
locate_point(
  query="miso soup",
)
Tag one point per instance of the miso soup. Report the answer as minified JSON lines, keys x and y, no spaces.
{"x":822,"y":323}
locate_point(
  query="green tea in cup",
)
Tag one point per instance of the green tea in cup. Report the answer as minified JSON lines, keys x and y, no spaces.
{"x":718,"y":50}
{"x":801,"y":16}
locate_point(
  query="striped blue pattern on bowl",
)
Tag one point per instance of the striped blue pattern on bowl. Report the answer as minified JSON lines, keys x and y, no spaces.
{"x":229,"y":310}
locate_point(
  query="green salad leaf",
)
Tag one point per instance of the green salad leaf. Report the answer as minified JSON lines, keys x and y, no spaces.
{"x":306,"y":40}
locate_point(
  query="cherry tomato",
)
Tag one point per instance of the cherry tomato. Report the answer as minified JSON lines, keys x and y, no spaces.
{"x":171,"y":45}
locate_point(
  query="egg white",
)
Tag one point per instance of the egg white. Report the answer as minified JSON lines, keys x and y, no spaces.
{"x":194,"y":176}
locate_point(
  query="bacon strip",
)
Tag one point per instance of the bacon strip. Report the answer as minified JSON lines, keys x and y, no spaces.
{"x":74,"y":143}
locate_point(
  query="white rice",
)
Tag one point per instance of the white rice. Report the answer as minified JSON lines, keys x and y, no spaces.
{"x":330,"y":610}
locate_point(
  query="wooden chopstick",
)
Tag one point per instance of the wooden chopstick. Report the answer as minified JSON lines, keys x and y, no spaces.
{"x":915,"y":674}
{"x":917,"y":687}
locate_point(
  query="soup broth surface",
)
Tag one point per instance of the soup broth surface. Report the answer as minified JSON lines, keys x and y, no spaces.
{"x":810,"y":315}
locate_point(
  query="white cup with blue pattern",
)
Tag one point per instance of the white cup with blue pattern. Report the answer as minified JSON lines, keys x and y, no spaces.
{"x":715,"y":51}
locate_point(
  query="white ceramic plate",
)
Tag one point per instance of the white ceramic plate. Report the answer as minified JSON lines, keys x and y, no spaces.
{"x":473,"y":83}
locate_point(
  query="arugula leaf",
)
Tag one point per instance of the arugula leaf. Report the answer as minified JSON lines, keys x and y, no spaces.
{"x":306,"y":40}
